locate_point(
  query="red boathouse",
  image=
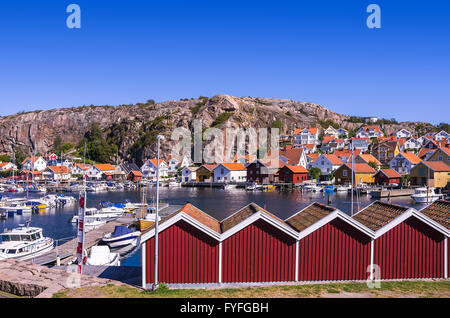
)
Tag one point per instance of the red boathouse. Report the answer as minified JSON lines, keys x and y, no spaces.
{"x":407,"y":244}
{"x":331,"y":245}
{"x":257,"y":247}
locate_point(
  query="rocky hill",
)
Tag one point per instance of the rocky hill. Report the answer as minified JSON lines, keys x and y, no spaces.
{"x":133,"y":128}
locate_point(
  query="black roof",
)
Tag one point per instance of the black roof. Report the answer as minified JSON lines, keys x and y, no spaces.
{"x":128,"y":167}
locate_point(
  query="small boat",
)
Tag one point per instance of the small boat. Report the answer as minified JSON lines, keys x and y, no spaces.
{"x":420,"y":195}
{"x":312,"y":188}
{"x":173,"y":184}
{"x":343,"y":188}
{"x":18,"y":207}
{"x":24,"y":243}
{"x":329,"y":188}
{"x":121,"y":236}
{"x":101,"y":256}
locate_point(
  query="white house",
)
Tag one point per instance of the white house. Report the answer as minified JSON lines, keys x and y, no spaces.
{"x":369,"y":132}
{"x":403,"y":133}
{"x":342,"y":132}
{"x":404,"y":162}
{"x":230,"y":172}
{"x":306,"y":136}
{"x":442,"y":135}
{"x":175,"y":164}
{"x":59,"y":173}
{"x":4,"y":166}
{"x":294,"y":157}
{"x":34,"y":164}
{"x":327,"y":163}
{"x":189,"y":174}
{"x":98,"y":170}
{"x":359,"y":143}
{"x":150,"y":167}
{"x":80,"y":168}
{"x":413,"y":143}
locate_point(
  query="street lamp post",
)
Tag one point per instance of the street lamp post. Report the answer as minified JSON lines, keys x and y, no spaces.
{"x":155,"y":284}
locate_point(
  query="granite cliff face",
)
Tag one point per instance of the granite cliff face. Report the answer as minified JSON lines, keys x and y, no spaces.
{"x":133,"y":128}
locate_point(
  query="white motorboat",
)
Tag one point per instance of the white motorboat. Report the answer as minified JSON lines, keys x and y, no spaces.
{"x":24,"y":243}
{"x":17,"y":207}
{"x":101,"y":256}
{"x":112,"y":210}
{"x":420,"y":195}
{"x":312,"y":188}
{"x":121,"y":236}
{"x":343,"y":188}
{"x":174,"y":184}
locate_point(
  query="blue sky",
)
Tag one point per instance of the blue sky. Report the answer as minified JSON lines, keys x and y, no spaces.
{"x":316,"y":51}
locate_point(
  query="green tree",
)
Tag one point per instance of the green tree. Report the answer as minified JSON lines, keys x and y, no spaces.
{"x":5,"y":158}
{"x":373,"y":164}
{"x":314,"y":173}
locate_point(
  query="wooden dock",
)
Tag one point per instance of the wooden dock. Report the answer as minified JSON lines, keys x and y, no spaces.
{"x":391,"y":193}
{"x":66,"y":252}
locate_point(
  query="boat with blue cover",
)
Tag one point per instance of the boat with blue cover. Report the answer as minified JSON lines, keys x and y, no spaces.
{"x":122,"y":236}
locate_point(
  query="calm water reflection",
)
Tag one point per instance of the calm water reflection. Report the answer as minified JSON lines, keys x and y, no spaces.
{"x":219,"y":203}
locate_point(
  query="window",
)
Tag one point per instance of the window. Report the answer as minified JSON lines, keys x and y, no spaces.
{"x":344,"y":173}
{"x":222,"y":171}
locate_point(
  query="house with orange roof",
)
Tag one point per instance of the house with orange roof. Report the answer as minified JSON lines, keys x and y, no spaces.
{"x":34,"y":163}
{"x":346,"y":154}
{"x":294,"y":156}
{"x":387,"y":177}
{"x":404,"y":162}
{"x":331,"y":144}
{"x":263,"y":170}
{"x":304,"y":136}
{"x":367,"y":158}
{"x":244,"y":159}
{"x":441,"y":154}
{"x":362,"y":173}
{"x":101,"y":171}
{"x":327,"y":163}
{"x":205,"y":173}
{"x":425,"y":153}
{"x":80,"y":168}
{"x":431,"y":173}
{"x":5,"y":166}
{"x":230,"y":172}
{"x":150,"y":167}
{"x":292,"y":174}
{"x":58,"y":173}
{"x":369,"y":132}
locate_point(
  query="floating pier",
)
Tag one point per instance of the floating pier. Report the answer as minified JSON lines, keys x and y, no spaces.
{"x":391,"y":193}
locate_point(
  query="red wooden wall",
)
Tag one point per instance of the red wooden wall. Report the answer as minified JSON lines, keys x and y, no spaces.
{"x":186,"y":255}
{"x":412,"y":249}
{"x":258,"y":253}
{"x":336,"y":251}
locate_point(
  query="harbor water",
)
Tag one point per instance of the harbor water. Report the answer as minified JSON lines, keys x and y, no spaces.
{"x":219,"y":203}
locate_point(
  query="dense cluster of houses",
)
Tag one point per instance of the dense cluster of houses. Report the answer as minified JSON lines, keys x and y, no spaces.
{"x":376,"y":158}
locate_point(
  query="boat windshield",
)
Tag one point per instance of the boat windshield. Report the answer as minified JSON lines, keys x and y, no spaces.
{"x":17,"y":237}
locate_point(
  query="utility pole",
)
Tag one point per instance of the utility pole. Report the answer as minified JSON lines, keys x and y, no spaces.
{"x":155,"y":284}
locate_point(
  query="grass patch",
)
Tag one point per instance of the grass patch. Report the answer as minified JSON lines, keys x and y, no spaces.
{"x":388,"y":289}
{"x":221,"y":119}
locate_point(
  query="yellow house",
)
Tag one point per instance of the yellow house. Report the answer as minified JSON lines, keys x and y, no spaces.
{"x":431,"y":173}
{"x":205,"y":173}
{"x":441,"y":154}
{"x":363,"y":173}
